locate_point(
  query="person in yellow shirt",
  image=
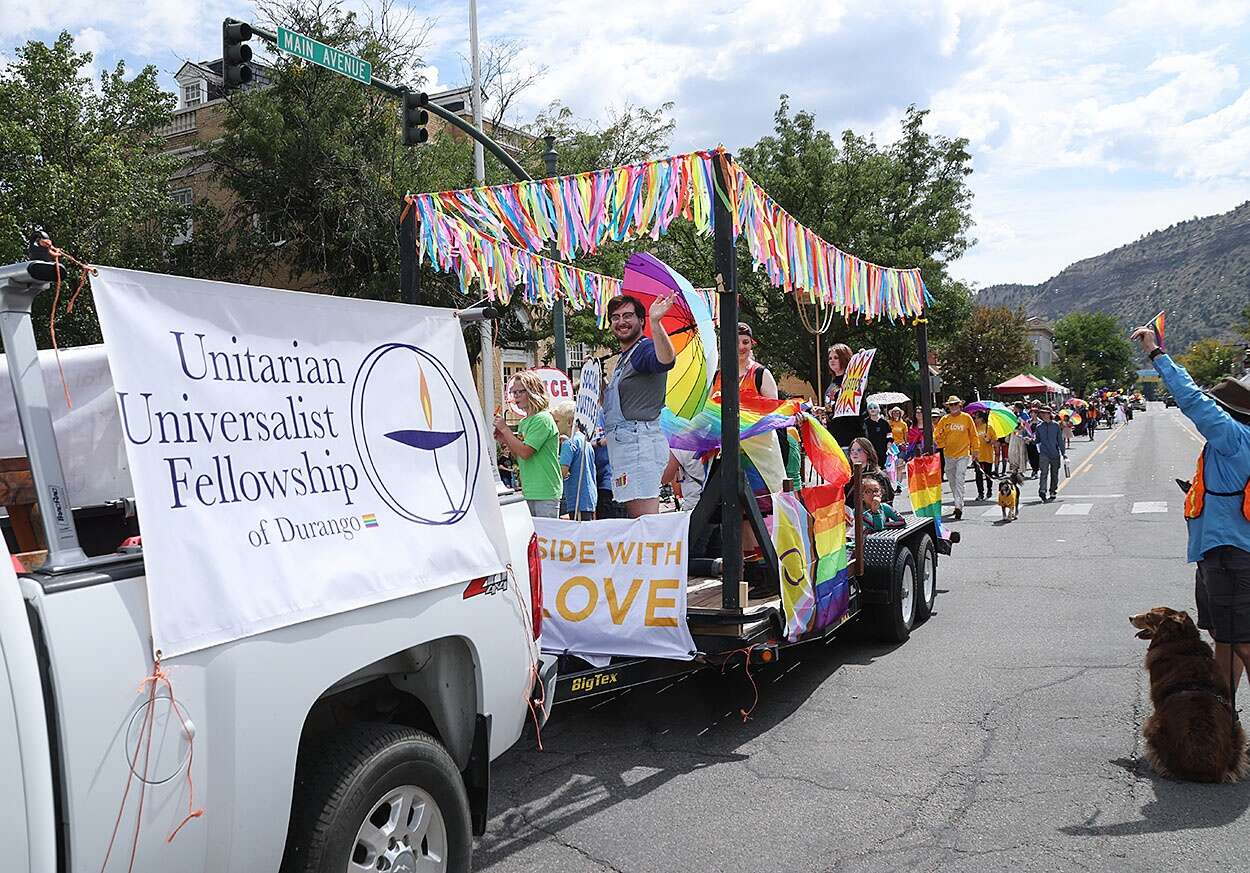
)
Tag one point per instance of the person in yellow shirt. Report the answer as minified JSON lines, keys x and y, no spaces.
{"x":983,"y":466}
{"x":898,"y":430}
{"x":956,"y":435}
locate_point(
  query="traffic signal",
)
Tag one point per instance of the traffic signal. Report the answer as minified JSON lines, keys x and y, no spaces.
{"x":235,"y":70}
{"x":415,"y":117}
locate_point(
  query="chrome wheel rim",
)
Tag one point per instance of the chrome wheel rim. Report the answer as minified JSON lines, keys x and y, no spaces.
{"x":403,"y":833}
{"x":907,"y":596}
{"x":928,"y":581}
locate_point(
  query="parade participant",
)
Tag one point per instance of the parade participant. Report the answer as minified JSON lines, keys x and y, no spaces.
{"x":983,"y":462}
{"x":1217,"y":505}
{"x":577,"y":465}
{"x":766,"y":469}
{"x":605,"y":505}
{"x":898,"y":430}
{"x":956,"y":435}
{"x":632,"y":400}
{"x":878,"y":515}
{"x":535,"y":445}
{"x":863,"y":453}
{"x":1066,"y":424}
{"x":1091,"y":419}
{"x":1034,"y":459}
{"x":844,"y":427}
{"x":878,"y":430}
{"x":1017,"y":450}
{"x":1051,"y":452}
{"x":915,"y":434}
{"x":686,"y":473}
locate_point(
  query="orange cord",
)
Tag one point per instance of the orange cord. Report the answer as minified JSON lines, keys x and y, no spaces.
{"x":746,"y":663}
{"x":84,"y":271}
{"x":151,"y":682}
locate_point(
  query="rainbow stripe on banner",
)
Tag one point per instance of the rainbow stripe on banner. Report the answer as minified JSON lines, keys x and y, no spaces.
{"x":833,"y":582}
{"x":369,"y":519}
{"x":702,"y":433}
{"x":924,"y":486}
{"x":1156,"y":324}
{"x":823,"y":451}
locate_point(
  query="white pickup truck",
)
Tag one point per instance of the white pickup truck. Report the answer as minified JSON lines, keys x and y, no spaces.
{"x":359,"y":741}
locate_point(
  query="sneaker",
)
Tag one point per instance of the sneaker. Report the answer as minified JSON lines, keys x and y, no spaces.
{"x":959,"y":514}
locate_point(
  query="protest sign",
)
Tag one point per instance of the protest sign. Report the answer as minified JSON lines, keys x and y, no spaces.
{"x":616,"y":586}
{"x":290,"y":452}
{"x":589,"y":398}
{"x":854,"y":383}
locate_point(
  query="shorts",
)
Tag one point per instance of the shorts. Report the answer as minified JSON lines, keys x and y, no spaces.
{"x":1222,"y":589}
{"x":544,"y":508}
{"x":638,"y":452}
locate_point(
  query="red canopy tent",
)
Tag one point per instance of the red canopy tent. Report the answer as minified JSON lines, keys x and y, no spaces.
{"x":1023,"y":384}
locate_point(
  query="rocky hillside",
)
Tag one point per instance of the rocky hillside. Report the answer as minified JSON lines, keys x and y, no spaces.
{"x":1198,"y":270}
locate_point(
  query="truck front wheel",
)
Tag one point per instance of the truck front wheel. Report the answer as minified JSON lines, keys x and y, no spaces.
{"x":378,"y":797}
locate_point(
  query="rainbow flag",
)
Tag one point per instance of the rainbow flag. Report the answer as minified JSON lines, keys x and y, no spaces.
{"x":924,"y":486}
{"x":832,"y":578}
{"x":824,"y":452}
{"x":702,"y":432}
{"x":791,"y":537}
{"x":1156,"y":324}
{"x":369,"y":519}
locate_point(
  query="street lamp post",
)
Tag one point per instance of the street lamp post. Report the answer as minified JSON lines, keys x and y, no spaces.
{"x":557,"y":309}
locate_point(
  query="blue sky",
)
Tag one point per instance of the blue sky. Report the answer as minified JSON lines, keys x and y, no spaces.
{"x":1090,"y":123}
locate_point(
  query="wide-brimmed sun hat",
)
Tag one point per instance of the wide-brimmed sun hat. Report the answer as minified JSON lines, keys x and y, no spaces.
{"x":1233,"y":394}
{"x":952,"y":400}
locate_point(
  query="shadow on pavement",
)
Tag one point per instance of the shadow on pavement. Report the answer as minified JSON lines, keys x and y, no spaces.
{"x":1177,"y":806}
{"x":606,"y":751}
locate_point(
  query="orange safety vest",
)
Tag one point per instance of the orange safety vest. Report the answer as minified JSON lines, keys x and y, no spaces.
{"x":1196,"y":497}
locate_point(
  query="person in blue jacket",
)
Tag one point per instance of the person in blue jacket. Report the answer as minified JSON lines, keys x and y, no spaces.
{"x":1217,"y":503}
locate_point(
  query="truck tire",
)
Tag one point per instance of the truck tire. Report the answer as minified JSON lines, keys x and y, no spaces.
{"x":378,"y":797}
{"x":895,"y":619}
{"x":926,"y":578}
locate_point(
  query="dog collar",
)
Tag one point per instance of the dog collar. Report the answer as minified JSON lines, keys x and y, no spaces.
{"x":1203,"y":687}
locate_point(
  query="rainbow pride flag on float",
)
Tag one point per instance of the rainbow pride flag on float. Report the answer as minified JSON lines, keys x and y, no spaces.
{"x":823,"y":451}
{"x":701,"y":433}
{"x":924,"y":486}
{"x":832,"y":578}
{"x":791,"y":527}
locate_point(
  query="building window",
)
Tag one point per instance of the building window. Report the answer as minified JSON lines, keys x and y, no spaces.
{"x":186,"y":198}
{"x":577,"y":353}
{"x":192,"y":93}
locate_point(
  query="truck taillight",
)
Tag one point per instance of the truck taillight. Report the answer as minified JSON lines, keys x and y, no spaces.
{"x":536,"y":585}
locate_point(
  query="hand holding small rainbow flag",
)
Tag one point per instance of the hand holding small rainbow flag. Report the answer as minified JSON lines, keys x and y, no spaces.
{"x":1156,"y":324}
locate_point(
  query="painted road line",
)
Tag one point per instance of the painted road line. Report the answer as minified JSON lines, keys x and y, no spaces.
{"x":992,"y":512}
{"x":1150,"y":506}
{"x":1074,"y":509}
{"x":1093,"y":496}
{"x":1085,"y":465}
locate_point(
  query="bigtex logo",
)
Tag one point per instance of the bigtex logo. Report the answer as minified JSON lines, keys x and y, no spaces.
{"x":583,"y":684}
{"x":369,"y":519}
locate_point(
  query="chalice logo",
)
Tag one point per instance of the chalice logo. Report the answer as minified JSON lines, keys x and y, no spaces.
{"x":414,"y":430}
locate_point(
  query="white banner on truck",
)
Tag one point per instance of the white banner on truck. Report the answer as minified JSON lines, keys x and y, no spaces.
{"x":616,"y":586}
{"x":293,"y":455}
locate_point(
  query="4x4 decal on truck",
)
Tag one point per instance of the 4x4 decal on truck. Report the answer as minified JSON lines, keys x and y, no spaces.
{"x":486,"y":585}
{"x":441,"y":419}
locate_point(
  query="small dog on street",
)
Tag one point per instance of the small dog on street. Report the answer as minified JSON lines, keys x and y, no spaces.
{"x":1009,"y":497}
{"x":1193,"y":733}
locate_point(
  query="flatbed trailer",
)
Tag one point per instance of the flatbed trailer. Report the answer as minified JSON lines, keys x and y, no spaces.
{"x":894,"y":588}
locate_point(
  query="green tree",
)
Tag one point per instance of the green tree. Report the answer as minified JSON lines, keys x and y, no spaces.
{"x":84,"y":161}
{"x":1092,"y":351}
{"x":990,"y":346}
{"x":1244,"y":327}
{"x":905,"y":204}
{"x":1210,"y":360}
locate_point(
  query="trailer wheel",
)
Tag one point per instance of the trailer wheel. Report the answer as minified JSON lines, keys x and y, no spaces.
{"x":378,"y":797}
{"x":895,"y":619}
{"x":926,"y":578}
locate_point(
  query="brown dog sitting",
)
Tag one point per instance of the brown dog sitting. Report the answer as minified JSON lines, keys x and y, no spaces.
{"x":1193,"y":733}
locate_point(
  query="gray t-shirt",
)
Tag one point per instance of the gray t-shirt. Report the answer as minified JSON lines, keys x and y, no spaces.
{"x":639,"y":380}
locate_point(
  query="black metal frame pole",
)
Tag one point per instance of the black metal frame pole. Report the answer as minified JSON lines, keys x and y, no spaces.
{"x":726,"y":262}
{"x":926,"y":381}
{"x":409,"y":269}
{"x":557,"y":307}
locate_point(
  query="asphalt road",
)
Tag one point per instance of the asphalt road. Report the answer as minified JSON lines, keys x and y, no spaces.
{"x":1004,"y":735}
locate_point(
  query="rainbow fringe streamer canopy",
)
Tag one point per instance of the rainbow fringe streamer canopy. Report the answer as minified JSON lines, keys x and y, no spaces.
{"x":494,"y":235}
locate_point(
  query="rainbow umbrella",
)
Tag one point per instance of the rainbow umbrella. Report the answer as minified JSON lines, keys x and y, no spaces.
{"x":1002,"y":421}
{"x":689,"y":325}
